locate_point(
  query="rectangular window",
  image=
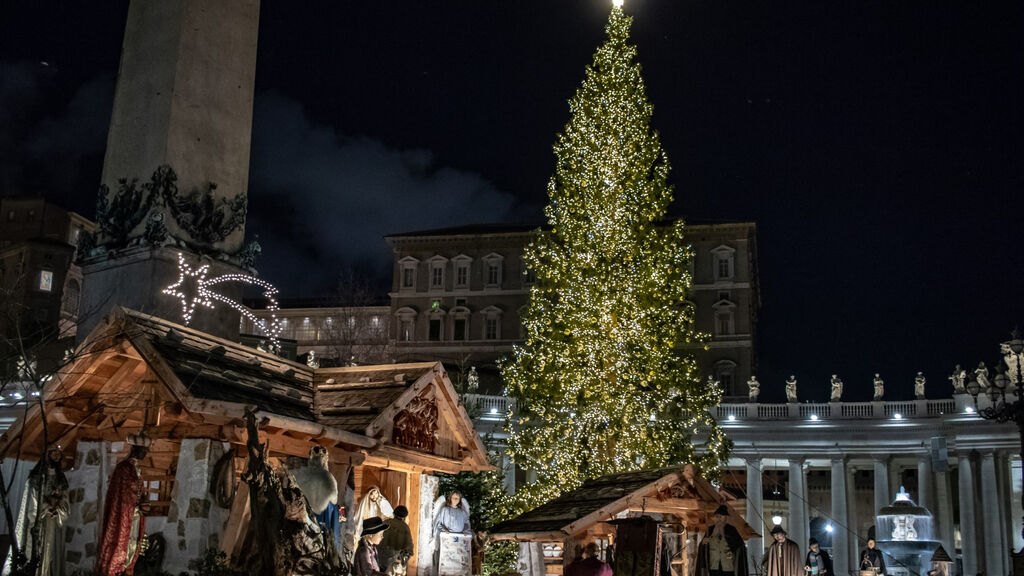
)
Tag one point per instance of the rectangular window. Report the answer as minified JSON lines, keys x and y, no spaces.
{"x":10,"y":215}
{"x":437,"y":277}
{"x":435,"y":329}
{"x":493,"y":273}
{"x":491,"y":329}
{"x":723,"y":295}
{"x":723,"y":268}
{"x":31,"y":216}
{"x":460,"y":329}
{"x":724,"y":325}
{"x":528,"y":276}
{"x":46,"y":281}
{"x":407,"y":330}
{"x":726,"y":381}
{"x":408,"y":277}
{"x":462,"y":274}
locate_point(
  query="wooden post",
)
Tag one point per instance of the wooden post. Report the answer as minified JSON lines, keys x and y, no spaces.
{"x":238,"y":522}
{"x":413,"y":490}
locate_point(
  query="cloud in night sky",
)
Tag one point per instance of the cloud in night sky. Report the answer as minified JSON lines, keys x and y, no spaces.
{"x":322,"y":202}
{"x":47,"y":147}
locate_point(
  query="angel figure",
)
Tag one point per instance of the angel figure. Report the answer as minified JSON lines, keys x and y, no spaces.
{"x":451,"y":516}
{"x":320,"y":488}
{"x":373,"y":504}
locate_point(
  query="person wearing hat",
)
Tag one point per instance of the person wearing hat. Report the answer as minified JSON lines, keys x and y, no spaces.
{"x":365,"y":562}
{"x":397,"y":542}
{"x":722,"y":551}
{"x":817,"y":562}
{"x":782,"y":557}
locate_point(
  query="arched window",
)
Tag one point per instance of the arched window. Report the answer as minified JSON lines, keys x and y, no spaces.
{"x":725,"y":373}
{"x":460,"y":316}
{"x":492,"y":323}
{"x":406,"y":324}
{"x":72,"y":297}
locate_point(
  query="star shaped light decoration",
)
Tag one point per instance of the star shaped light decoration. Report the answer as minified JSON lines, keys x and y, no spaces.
{"x":193,"y":288}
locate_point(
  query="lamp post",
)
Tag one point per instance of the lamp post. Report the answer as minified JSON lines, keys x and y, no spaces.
{"x":1000,"y":409}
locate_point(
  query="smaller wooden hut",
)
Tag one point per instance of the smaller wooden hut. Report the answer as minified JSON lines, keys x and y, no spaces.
{"x":652,"y":519}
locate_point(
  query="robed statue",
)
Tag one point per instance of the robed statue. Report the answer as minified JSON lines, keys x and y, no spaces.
{"x":44,"y":507}
{"x":122,"y":538}
{"x":919,"y":386}
{"x":754,"y":388}
{"x":879,"y":388}
{"x":791,"y":389}
{"x":837,"y":388}
{"x":959,"y":380}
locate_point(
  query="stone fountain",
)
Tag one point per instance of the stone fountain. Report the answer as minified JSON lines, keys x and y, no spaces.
{"x":904,"y":532}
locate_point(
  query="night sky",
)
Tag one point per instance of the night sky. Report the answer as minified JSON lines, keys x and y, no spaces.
{"x":878,"y":146}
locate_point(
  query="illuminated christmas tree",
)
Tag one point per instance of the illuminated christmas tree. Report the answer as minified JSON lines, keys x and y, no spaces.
{"x":603,"y":382}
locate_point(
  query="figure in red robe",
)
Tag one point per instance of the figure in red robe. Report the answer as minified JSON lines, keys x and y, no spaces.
{"x":122,"y":539}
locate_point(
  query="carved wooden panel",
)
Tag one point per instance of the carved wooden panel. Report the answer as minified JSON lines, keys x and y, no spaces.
{"x":416,"y":425}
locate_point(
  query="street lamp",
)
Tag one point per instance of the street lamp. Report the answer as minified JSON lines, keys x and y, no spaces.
{"x":1000,"y":409}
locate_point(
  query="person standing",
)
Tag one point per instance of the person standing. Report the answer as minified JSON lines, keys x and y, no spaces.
{"x":366,"y":559}
{"x":588,"y":564}
{"x":782,"y":557}
{"x":123,"y":538}
{"x":397,"y":542}
{"x":871,"y":558}
{"x":722,"y":551}
{"x":817,"y":562}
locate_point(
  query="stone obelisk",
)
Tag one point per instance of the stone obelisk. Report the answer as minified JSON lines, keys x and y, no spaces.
{"x":176,"y":169}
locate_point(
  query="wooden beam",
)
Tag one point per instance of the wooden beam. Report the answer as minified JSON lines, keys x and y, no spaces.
{"x":406,"y":460}
{"x":553,"y":536}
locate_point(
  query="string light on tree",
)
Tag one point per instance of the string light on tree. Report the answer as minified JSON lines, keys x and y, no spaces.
{"x":603,"y":382}
{"x":194,"y":289}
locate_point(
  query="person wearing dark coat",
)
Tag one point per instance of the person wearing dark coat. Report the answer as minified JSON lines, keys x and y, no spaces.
{"x":365,"y":562}
{"x":817,"y":562}
{"x":782,"y":557}
{"x":397,"y":542}
{"x":589,"y":564}
{"x":722,"y":551}
{"x":871,"y":558}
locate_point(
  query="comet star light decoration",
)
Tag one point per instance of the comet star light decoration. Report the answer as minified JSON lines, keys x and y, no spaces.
{"x":193,"y":288}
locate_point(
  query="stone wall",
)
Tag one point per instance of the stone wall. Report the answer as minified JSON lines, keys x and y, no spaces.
{"x":87,"y":487}
{"x":424,"y":540}
{"x":194,"y":521}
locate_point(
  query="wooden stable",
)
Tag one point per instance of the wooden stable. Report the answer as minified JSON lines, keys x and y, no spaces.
{"x":383,"y":425}
{"x":653,"y":506}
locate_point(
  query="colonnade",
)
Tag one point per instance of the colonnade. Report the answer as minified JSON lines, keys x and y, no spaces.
{"x":984,"y":501}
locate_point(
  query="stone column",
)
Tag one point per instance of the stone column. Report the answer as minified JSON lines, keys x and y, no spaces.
{"x":853,"y":534}
{"x":925,"y":497}
{"x":882,"y":495}
{"x":1006,"y":508}
{"x":992,"y":527}
{"x":968,"y":538}
{"x":755,"y":509}
{"x":943,"y":510}
{"x":840,"y":524}
{"x":799,"y":528}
